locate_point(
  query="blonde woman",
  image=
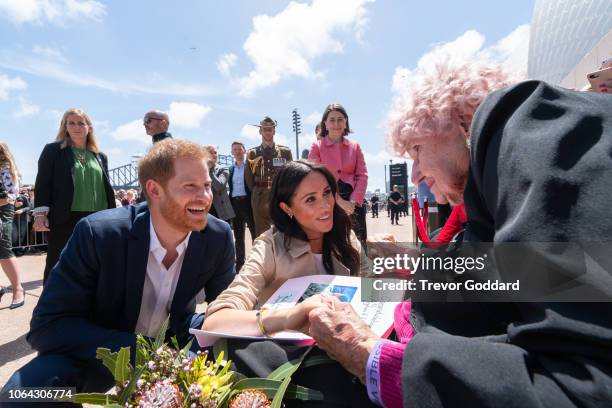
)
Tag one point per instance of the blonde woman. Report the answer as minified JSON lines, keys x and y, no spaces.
{"x":72,"y":182}
{"x":9,"y":188}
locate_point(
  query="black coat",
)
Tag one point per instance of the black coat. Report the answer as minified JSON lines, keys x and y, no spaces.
{"x":54,"y":186}
{"x":540,"y":171}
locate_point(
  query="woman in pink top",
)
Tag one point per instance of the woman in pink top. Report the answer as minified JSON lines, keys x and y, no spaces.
{"x":344,"y":158}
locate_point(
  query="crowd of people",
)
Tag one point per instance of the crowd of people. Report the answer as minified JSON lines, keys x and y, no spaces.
{"x":517,"y":162}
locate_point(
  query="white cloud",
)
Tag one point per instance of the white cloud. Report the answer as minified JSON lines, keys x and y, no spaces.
{"x":288,"y":95}
{"x":380,"y":158}
{"x":55,"y":115}
{"x":101,"y":126}
{"x":48,"y":52}
{"x":8,"y":84}
{"x":55,"y":11}
{"x":313,"y":118}
{"x":225,"y":63}
{"x":282,"y":139}
{"x":115,"y":151}
{"x":510,"y":52}
{"x":53,"y":69}
{"x":26,"y":108}
{"x":131,"y":131}
{"x":187,"y":115}
{"x":284,"y":45}
{"x":513,"y":50}
{"x":250,"y":132}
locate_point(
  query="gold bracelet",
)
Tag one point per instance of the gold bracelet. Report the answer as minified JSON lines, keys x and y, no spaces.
{"x":259,"y":316}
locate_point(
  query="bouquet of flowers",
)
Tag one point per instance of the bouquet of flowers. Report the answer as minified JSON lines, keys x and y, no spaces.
{"x":166,"y":376}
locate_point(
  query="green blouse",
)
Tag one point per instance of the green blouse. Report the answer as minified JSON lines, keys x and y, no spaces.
{"x":89,"y":190}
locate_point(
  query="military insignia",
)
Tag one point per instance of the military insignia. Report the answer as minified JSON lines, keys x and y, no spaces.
{"x":279,"y":161}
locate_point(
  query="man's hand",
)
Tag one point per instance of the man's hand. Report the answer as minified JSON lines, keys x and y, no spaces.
{"x":343,"y":335}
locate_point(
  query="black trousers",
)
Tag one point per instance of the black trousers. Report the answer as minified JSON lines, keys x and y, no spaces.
{"x":444,"y":211}
{"x":244,"y":215}
{"x":395,"y":210}
{"x":58,"y":236}
{"x":358,"y":220}
{"x":59,"y":370}
{"x":375,"y":210}
{"x":339,"y":387}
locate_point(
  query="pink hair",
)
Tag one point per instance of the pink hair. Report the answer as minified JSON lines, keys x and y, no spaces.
{"x":444,"y":103}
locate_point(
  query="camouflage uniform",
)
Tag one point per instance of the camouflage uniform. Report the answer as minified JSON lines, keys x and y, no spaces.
{"x":263,"y":163}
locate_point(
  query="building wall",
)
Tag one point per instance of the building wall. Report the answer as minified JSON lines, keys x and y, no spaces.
{"x":562,"y":33}
{"x":577,"y":79}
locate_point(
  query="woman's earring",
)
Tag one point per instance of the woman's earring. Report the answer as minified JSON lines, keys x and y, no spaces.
{"x":290,"y":215}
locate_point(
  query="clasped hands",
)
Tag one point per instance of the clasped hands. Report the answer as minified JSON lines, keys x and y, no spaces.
{"x":338,"y":330}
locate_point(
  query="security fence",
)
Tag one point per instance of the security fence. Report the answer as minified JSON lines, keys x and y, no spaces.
{"x":24,"y":238}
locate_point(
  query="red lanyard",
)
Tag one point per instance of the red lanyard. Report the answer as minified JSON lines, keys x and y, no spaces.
{"x":420,"y":218}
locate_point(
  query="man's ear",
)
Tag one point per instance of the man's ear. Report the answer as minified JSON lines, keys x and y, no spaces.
{"x":154,"y":189}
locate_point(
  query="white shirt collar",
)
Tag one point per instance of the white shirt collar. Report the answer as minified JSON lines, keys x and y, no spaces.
{"x":156,"y":248}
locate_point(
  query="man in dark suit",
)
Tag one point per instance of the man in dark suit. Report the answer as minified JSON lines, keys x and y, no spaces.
{"x":240,"y":197}
{"x":125,"y":270}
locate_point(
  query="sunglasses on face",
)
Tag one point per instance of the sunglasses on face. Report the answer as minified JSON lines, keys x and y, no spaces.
{"x":148,"y":120}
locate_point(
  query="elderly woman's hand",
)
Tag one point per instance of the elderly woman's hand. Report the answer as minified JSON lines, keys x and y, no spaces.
{"x":41,"y":223}
{"x":343,"y":335}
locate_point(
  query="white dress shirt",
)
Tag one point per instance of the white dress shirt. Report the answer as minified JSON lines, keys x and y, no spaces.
{"x":159,"y":286}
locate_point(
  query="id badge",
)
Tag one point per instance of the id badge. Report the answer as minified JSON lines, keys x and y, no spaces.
{"x":279,"y":161}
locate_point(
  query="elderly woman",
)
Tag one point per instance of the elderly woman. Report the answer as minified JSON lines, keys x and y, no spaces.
{"x":9,"y":188}
{"x":72,"y":182}
{"x":532,"y":164}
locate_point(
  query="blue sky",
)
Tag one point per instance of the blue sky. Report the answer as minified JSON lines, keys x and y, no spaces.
{"x":219,"y":66}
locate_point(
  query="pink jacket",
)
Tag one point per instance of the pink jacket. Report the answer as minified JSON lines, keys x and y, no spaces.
{"x":345,"y":161}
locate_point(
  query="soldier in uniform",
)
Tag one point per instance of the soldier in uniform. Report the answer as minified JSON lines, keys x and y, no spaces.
{"x":264,"y":161}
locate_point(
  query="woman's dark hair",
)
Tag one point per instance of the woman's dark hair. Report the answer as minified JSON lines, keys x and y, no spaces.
{"x":336,"y":242}
{"x":330,"y":108}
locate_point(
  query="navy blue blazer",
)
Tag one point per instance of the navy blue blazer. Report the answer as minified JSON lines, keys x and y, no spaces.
{"x":92,"y":297}
{"x":230,"y":181}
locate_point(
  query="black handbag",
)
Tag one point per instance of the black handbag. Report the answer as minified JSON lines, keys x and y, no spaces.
{"x":345,"y":190}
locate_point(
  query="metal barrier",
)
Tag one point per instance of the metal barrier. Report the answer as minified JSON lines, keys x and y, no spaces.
{"x":24,"y":237}
{"x":126,"y":176}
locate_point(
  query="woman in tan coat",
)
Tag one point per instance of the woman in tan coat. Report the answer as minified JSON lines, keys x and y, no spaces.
{"x":311,"y":235}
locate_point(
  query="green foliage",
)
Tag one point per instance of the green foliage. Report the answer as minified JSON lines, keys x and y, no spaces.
{"x":123,"y":368}
{"x":93,"y":398}
{"x":195,"y":379}
{"x":219,"y":347}
{"x":288,"y":368}
{"x":109,"y":359}
{"x":280,"y":393}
